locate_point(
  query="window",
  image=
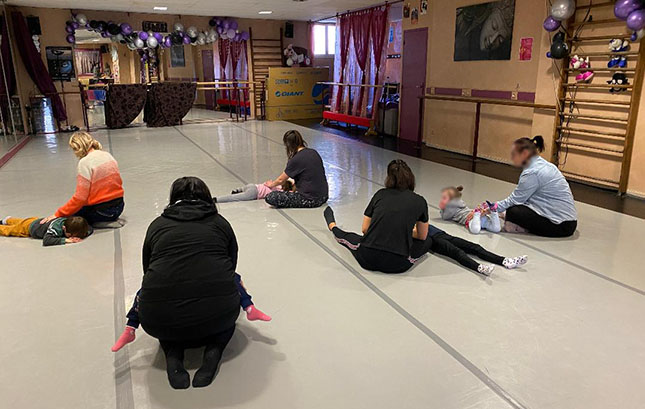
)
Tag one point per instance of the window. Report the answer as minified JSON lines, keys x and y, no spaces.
{"x":324,"y":39}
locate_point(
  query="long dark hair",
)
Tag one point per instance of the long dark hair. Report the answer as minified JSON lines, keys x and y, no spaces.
{"x":534,"y":146}
{"x":189,"y":188}
{"x":399,"y":176}
{"x":293,"y":141}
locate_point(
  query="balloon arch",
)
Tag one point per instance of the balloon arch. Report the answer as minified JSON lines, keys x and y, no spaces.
{"x":146,"y":42}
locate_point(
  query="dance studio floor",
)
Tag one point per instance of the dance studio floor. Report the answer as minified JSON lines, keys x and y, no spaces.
{"x":566,"y":332}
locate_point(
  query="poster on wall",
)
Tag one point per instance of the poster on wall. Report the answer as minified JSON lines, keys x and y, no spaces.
{"x":424,"y":7}
{"x":177,"y":58}
{"x":485,"y":31}
{"x":526,"y":49}
{"x":60,"y":63}
{"x":414,"y":16}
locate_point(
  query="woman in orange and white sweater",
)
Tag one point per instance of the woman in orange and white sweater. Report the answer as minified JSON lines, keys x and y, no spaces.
{"x":99,"y":188}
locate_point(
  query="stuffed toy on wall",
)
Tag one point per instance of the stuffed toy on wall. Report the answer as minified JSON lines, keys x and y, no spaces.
{"x":618,"y":45}
{"x":618,"y":78}
{"x":584,"y":66}
{"x":296,"y":56}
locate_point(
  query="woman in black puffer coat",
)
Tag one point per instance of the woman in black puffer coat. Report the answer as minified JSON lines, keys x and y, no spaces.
{"x":189,"y":297}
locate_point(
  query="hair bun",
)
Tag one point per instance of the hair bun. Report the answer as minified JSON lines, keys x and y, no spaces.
{"x":460,"y":188}
{"x":538,"y":140}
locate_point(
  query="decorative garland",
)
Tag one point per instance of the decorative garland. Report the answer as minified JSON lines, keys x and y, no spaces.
{"x":224,"y":28}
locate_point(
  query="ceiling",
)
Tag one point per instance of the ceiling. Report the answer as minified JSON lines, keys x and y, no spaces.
{"x":282,"y":9}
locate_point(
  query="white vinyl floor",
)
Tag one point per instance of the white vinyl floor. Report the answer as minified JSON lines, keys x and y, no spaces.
{"x":566,"y":332}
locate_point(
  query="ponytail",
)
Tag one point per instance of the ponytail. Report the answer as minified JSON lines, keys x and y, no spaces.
{"x":399,"y":176}
{"x":454,"y":191}
{"x":534,"y":145}
{"x":82,"y":142}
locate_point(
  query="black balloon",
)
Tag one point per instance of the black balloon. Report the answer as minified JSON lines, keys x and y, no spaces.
{"x":94,"y":24}
{"x":177,"y":39}
{"x":559,"y":50}
{"x":113,"y":29}
{"x":193,"y":40}
{"x":212,"y":22}
{"x":558,"y":37}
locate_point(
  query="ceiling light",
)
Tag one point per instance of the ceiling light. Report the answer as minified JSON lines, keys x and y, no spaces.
{"x":265,"y":12}
{"x":160,"y":8}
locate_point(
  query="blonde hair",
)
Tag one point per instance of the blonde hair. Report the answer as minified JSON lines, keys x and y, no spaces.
{"x":453,"y":191}
{"x":82,"y":142}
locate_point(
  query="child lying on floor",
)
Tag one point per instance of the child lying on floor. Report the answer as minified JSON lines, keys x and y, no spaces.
{"x":128,"y":334}
{"x":459,"y":249}
{"x":61,"y":230}
{"x":481,"y":218}
{"x":254,"y":192}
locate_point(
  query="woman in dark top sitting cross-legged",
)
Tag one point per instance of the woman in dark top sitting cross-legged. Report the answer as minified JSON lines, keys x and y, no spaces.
{"x":305,"y":167}
{"x":397,"y":233}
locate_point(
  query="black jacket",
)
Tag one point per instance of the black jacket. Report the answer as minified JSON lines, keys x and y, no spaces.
{"x":189,"y":259}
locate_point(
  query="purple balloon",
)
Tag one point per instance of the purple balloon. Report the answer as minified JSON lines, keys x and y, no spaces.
{"x":220,"y":30}
{"x":105,"y":34}
{"x":226,"y":24}
{"x":636,"y":20}
{"x":75,"y":25}
{"x":551,"y":24}
{"x":126,"y":29}
{"x":245,"y":36}
{"x":230,"y":33}
{"x":158,"y":36}
{"x":623,"y":8}
{"x":548,"y":54}
{"x":186,"y":39}
{"x":167,"y":42}
{"x":233,"y":25}
{"x":143,"y":35}
{"x":69,"y":29}
{"x":70,"y":38}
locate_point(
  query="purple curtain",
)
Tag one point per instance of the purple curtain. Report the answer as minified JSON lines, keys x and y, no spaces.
{"x":5,"y":94}
{"x":361,"y":33}
{"x":35,"y":66}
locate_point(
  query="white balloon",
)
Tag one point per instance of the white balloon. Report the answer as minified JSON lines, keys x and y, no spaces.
{"x":289,"y":62}
{"x":178,"y":27}
{"x":201,"y":41}
{"x":561,"y":10}
{"x":301,"y":58}
{"x":81,"y":19}
{"x":152,"y":42}
{"x":192,"y":31}
{"x":640,"y":34}
{"x":201,"y":36}
{"x":139,"y":43}
{"x":131,"y":46}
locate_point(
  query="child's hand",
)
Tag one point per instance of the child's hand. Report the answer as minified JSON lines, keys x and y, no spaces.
{"x":48,"y":219}
{"x":73,"y":240}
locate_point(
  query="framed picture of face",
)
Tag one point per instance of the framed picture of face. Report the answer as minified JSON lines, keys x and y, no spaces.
{"x":485,"y":31}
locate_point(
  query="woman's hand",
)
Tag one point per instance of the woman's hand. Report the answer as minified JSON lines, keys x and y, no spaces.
{"x":70,"y":240}
{"x":48,"y":219}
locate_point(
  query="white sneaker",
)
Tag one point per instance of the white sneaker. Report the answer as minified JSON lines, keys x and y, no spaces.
{"x":485,"y":269}
{"x":4,"y":221}
{"x":515,"y":262}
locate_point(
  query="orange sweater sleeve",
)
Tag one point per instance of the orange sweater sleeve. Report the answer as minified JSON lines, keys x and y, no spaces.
{"x":78,"y":200}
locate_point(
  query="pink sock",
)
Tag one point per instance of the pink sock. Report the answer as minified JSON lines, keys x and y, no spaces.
{"x":126,"y":337}
{"x":254,"y":314}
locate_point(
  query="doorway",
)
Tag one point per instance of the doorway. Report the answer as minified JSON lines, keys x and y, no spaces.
{"x":208,"y":66}
{"x":415,"y":52}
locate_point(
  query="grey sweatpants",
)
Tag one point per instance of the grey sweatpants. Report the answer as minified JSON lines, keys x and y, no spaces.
{"x":249,"y":192}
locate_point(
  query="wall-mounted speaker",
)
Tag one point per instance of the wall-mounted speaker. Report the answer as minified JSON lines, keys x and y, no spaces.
{"x":33,"y":23}
{"x":288,"y":29}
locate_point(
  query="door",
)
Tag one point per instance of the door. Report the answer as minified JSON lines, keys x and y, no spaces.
{"x":208,"y":66}
{"x":413,"y":82}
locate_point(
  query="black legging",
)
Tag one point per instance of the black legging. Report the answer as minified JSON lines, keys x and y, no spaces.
{"x":391,"y":263}
{"x":525,"y":217}
{"x":458,"y":250}
{"x":380,"y":260}
{"x":281,"y":200}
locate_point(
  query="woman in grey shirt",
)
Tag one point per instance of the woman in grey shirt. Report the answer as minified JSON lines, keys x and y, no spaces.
{"x":542,"y":202}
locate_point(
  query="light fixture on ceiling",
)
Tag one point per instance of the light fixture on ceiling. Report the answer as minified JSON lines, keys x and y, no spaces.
{"x":160,"y":8}
{"x":265,"y":12}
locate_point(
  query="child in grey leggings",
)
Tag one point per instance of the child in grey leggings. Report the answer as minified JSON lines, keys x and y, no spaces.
{"x":253,"y":192}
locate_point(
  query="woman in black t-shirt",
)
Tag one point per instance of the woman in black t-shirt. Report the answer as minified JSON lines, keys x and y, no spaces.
{"x":395,"y":225}
{"x":305,"y":167}
{"x":397,"y":233}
